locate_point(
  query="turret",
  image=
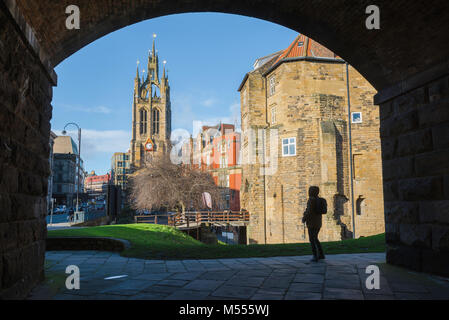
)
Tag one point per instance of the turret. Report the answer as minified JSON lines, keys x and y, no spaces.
{"x":137,"y":82}
{"x":153,"y":64}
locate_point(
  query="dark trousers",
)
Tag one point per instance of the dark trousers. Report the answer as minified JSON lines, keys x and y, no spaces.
{"x":315,"y":243}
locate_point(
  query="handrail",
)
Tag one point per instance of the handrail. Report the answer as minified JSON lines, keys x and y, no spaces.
{"x":198,"y":217}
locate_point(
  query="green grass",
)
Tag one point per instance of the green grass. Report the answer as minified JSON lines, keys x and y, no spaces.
{"x":150,"y":241}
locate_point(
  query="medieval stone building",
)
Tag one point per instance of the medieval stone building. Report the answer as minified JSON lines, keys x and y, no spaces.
{"x":151,"y":113}
{"x":296,"y":133}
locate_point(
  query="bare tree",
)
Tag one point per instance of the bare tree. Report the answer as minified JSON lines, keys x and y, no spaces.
{"x":161,"y":183}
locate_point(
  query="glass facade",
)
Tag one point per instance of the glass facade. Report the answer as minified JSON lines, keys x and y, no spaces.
{"x":121,"y":168}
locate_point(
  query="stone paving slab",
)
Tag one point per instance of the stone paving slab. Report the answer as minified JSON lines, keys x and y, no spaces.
{"x":290,"y":278}
{"x":204,"y":285}
{"x":235,"y":292}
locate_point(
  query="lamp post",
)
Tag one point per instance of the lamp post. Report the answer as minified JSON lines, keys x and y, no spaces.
{"x":64,"y":132}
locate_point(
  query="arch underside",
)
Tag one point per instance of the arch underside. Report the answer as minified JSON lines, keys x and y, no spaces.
{"x":400,"y":49}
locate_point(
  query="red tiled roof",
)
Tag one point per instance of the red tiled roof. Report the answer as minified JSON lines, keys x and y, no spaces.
{"x":303,"y":46}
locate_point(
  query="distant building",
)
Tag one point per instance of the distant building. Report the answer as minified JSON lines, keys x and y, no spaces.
{"x":96,"y":185}
{"x":120,"y":169}
{"x":151,"y":113}
{"x":50,"y":178}
{"x":216,"y":149}
{"x":65,"y":170}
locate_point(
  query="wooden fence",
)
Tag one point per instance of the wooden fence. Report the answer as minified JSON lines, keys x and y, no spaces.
{"x":197,"y":217}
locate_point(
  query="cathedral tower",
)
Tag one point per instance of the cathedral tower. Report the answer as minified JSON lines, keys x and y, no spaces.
{"x":151,"y":113}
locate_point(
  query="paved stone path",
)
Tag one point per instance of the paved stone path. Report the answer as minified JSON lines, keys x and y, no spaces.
{"x":292,"y":278}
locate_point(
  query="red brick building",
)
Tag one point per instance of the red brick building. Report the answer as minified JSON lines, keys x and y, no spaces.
{"x":217,"y":149}
{"x":96,"y":184}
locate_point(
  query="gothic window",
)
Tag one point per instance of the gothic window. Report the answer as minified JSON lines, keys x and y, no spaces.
{"x":143,"y":121}
{"x":155,"y":124}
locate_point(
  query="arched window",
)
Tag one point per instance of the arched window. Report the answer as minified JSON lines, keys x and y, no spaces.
{"x":143,"y":121}
{"x":155,"y":124}
{"x":360,"y":204}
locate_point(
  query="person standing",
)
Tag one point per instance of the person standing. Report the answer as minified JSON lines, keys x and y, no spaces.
{"x":71,"y":214}
{"x":316,"y":207}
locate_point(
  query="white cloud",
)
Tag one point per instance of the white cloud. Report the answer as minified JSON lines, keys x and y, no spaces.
{"x":233,"y":118}
{"x":208,"y":102}
{"x":97,"y":109}
{"x":97,"y":146}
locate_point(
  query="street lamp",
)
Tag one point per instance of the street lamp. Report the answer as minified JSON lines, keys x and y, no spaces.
{"x":64,"y":132}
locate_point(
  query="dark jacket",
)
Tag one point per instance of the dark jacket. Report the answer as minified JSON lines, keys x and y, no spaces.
{"x":312,"y":218}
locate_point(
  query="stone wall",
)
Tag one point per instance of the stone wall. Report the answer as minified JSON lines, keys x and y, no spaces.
{"x":86,"y":243}
{"x":415,"y":151}
{"x":310,"y":104}
{"x":25,"y":96}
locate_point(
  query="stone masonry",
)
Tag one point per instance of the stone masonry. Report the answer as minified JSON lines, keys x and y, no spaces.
{"x":415,"y":144}
{"x":25,"y":96}
{"x":309,"y":104}
{"x":407,"y":67}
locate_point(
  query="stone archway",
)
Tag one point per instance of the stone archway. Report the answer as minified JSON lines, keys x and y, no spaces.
{"x":407,"y":61}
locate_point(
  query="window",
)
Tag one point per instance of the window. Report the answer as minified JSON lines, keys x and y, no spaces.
{"x":300,"y":44}
{"x":289,"y":147}
{"x":223,"y":161}
{"x":356,"y":117}
{"x":360,"y":205}
{"x":272,"y":85}
{"x":143,"y":121}
{"x":273,"y":115}
{"x":155,"y":121}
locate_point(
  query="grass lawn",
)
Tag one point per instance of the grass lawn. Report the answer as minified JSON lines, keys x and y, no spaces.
{"x":150,"y":241}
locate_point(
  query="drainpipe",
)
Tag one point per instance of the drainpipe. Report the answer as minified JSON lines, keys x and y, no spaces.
{"x":263,"y":164}
{"x":350,"y":151}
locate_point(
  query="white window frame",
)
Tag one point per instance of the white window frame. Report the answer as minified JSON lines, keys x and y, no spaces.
{"x":273,"y":115}
{"x":290,"y":141}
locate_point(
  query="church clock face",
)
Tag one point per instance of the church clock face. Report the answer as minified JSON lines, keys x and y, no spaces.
{"x":149,"y":145}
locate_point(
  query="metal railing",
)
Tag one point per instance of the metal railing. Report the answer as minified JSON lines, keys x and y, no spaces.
{"x":197,"y":217}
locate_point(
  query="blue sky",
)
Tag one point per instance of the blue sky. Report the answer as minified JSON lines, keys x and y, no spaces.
{"x":207,"y":57}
